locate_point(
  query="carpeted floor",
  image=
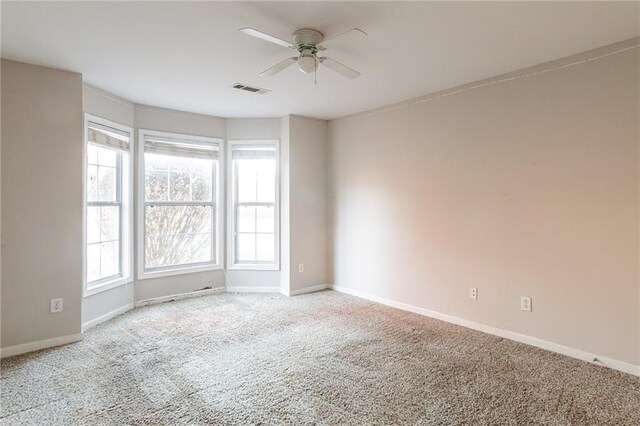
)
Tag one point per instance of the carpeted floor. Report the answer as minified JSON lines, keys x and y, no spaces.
{"x":323,"y":358}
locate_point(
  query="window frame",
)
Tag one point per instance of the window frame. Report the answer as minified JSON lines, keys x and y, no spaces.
{"x":124,"y":192}
{"x":217,"y":264}
{"x":232,"y":209}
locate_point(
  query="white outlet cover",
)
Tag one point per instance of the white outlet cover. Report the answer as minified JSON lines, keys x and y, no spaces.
{"x":525,"y":303}
{"x":473,"y":293}
{"x":300,"y":267}
{"x":56,"y":305}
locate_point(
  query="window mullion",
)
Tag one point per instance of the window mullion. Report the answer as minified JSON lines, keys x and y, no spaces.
{"x":120,"y":210}
{"x":255,"y":227}
{"x":103,"y":203}
{"x":179,"y":203}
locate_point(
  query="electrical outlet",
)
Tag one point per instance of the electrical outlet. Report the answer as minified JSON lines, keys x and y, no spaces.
{"x":473,"y":293}
{"x":300,"y":267}
{"x":525,"y":303}
{"x":56,"y":305}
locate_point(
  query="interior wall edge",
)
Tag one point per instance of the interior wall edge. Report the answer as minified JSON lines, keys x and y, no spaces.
{"x":309,"y":289}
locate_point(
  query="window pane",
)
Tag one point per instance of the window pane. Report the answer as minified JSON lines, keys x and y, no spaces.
{"x":180,"y":186}
{"x":107,"y":157}
{"x":109,"y":223}
{"x":246,"y":247}
{"x":156,"y":162}
{"x":93,"y":262}
{"x":201,"y":248}
{"x":174,"y":178}
{"x":246,"y":181}
{"x":103,"y":222}
{"x":265,"y":221}
{"x":154,"y":252}
{"x":103,"y":239}
{"x":156,"y":185}
{"x":92,"y":183}
{"x":101,"y":173}
{"x":246,"y":219}
{"x":201,"y":187}
{"x":266,"y":181}
{"x":106,"y":183}
{"x":93,"y":225}
{"x":256,"y":180}
{"x":92,"y":154}
{"x":109,"y":255}
{"x":265,"y":247}
{"x":171,"y":235}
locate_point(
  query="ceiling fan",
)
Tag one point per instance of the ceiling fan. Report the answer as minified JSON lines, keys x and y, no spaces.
{"x":307,"y":43}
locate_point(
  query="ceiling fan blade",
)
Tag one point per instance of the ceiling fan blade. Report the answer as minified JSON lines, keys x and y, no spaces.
{"x":339,"y":68}
{"x":279,"y":67}
{"x":352,"y":30}
{"x":266,"y":37}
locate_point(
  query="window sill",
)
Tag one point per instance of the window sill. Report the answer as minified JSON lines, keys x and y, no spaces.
{"x":177,"y":271}
{"x":249,"y":267}
{"x":108,"y":285}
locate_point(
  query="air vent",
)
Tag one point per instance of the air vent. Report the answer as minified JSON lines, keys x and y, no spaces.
{"x":251,"y":89}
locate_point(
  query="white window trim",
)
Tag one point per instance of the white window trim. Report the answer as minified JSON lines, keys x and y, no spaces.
{"x":231,"y":250}
{"x":126,"y":233}
{"x":219,"y":228}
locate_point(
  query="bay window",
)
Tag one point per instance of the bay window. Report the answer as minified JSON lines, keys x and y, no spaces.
{"x":253,"y":205}
{"x":107,"y":205}
{"x":180,"y":222}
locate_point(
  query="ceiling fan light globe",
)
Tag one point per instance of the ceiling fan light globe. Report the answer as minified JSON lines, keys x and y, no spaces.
{"x":307,"y":64}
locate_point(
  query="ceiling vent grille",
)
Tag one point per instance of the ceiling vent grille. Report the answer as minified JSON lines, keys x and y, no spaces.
{"x":251,"y":89}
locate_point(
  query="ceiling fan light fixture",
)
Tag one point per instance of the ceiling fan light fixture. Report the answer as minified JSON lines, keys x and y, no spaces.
{"x":307,"y":42}
{"x":307,"y":63}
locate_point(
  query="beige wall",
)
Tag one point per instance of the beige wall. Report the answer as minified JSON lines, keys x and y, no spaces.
{"x":42,"y":202}
{"x":307,"y":201}
{"x":525,"y":187}
{"x":285,"y":203}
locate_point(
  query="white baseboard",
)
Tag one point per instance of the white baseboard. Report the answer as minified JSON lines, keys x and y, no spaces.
{"x":206,"y":292}
{"x":39,"y":344}
{"x":522,"y":338}
{"x":253,"y":289}
{"x":306,"y":290}
{"x":180,"y":296}
{"x":106,"y":317}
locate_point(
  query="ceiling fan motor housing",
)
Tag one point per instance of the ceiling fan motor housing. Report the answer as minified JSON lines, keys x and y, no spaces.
{"x":307,"y":39}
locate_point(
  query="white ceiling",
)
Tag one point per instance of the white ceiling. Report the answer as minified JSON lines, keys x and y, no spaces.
{"x":186,"y":55}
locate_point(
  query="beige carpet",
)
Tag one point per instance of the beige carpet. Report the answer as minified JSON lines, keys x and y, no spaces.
{"x":323,"y":358}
